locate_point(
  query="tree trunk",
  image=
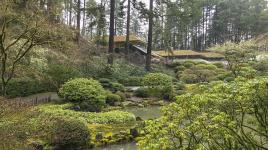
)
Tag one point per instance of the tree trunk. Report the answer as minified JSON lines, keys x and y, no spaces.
{"x":128,"y":24}
{"x":84,"y":19}
{"x":150,"y":38}
{"x":70,"y":13}
{"x":78,"y":20}
{"x":111,"y":35}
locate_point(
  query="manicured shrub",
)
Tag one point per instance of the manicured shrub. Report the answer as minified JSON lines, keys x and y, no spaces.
{"x":188,"y":64}
{"x":179,"y":68}
{"x":142,"y":92}
{"x":153,"y":80}
{"x":206,"y":66}
{"x":219,"y":64}
{"x":88,"y":93}
{"x":201,"y":73}
{"x":111,"y":99}
{"x":158,"y":84}
{"x":188,"y":77}
{"x":112,"y":86}
{"x":106,"y":83}
{"x":68,"y":134}
{"x":117,"y":87}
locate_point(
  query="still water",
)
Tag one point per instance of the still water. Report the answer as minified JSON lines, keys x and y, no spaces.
{"x":144,"y":113}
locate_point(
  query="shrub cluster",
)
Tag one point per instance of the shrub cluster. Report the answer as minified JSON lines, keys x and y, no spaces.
{"x":87,"y":93}
{"x":59,"y":74}
{"x":111,"y":99}
{"x":112,"y":86}
{"x":19,"y":87}
{"x":196,"y":72}
{"x":111,"y":117}
{"x":142,"y":92}
{"x":66,"y":133}
{"x":159,"y":85}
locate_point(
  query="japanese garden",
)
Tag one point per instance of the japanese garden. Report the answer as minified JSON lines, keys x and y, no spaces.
{"x":134,"y":74}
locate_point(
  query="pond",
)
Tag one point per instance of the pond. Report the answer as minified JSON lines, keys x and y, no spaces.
{"x":144,"y":113}
{"x":123,"y":146}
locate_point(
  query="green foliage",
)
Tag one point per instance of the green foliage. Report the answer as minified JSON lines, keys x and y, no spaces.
{"x":159,"y":85}
{"x":199,"y":73}
{"x":237,"y":55}
{"x":19,"y":87}
{"x":122,"y":95}
{"x":121,"y":70}
{"x":261,"y":66}
{"x":68,"y":134}
{"x":112,"y":86}
{"x":142,"y":92}
{"x":117,"y":87}
{"x":59,"y":74}
{"x":88,"y":93}
{"x":219,"y":116}
{"x":111,"y":117}
{"x":111,"y":99}
{"x":131,"y":81}
{"x":219,"y":64}
{"x":157,"y":80}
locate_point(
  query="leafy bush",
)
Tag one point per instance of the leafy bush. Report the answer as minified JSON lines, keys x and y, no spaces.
{"x":112,"y":86}
{"x":262,"y":66}
{"x":202,"y":73}
{"x":122,"y":95}
{"x":87,"y":92}
{"x":188,"y":64}
{"x":219,"y":64}
{"x":106,"y":83}
{"x":153,"y":80}
{"x":159,"y":85}
{"x":211,"y":112}
{"x":142,"y":92}
{"x":68,"y":134}
{"x":111,"y":99}
{"x":59,"y":74}
{"x":117,"y":87}
{"x":18,"y":87}
{"x":131,"y":81}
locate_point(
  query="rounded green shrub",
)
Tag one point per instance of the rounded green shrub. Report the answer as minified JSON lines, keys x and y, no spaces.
{"x":88,"y":93}
{"x":122,"y":95}
{"x":179,"y":68}
{"x":188,"y":64}
{"x":219,"y":64}
{"x":159,"y":84}
{"x":106,"y":83}
{"x":111,"y":99}
{"x":157,"y":80}
{"x":117,"y":87}
{"x":68,"y":134}
{"x":142,"y":92}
